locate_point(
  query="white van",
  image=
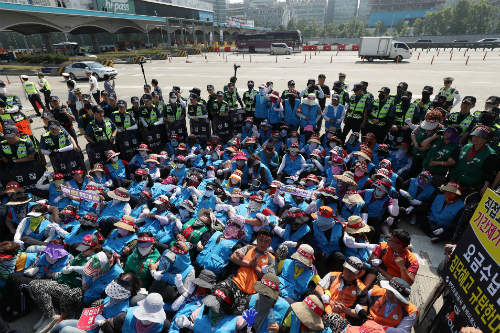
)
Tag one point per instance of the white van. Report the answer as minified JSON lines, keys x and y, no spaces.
{"x":281,"y":48}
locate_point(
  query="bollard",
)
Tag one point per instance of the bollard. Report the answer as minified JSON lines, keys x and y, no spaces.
{"x":187,"y":56}
{"x":363,"y":59}
{"x":305,"y":58}
{"x":337,"y":52}
{"x":432,"y":60}
{"x":465,"y":52}
{"x":309,"y":55}
{"x":250,"y":58}
{"x":226,"y":59}
{"x":276,"y":59}
{"x":438,"y":53}
{"x":223,"y":56}
{"x":467,"y":61}
{"x":485,"y":55}
{"x":427,"y":50}
{"x":314,"y":52}
{"x":243,"y":55}
{"x":331,"y":59}
{"x":397,"y":60}
{"x":451,"y":55}
{"x":7,"y":79}
{"x":418,"y":58}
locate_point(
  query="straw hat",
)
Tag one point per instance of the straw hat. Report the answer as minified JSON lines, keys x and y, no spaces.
{"x":361,"y":165}
{"x":110,"y":154}
{"x":346,"y":179}
{"x":452,"y":187}
{"x":97,"y":167}
{"x":127,"y":223}
{"x":268,"y":286}
{"x":151,"y":309}
{"x":382,"y":174}
{"x":403,"y":146}
{"x":304,"y":254}
{"x":236,"y":193}
{"x":12,"y":187}
{"x":356,"y":225}
{"x":240,"y":156}
{"x":362,"y":154}
{"x":309,"y":312}
{"x":352,"y":198}
{"x":119,"y":194}
{"x":20,"y":202}
{"x":89,"y":219}
{"x":152,"y":158}
{"x":314,"y":138}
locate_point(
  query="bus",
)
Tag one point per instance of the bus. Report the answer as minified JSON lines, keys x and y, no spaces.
{"x":262,"y":42}
{"x":68,"y":48}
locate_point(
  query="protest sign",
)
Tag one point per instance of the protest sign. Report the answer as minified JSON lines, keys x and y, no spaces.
{"x":81,"y":194}
{"x":298,"y":191}
{"x":87,"y":320}
{"x":472,"y":275}
{"x":68,"y":161}
{"x":128,"y":142}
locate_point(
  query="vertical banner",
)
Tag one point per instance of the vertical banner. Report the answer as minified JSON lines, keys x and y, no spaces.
{"x":473,"y":274}
{"x":155,"y":138}
{"x":68,"y":161}
{"x":128,"y":142}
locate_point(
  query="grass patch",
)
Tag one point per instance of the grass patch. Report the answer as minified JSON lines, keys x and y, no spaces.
{"x":20,"y":67}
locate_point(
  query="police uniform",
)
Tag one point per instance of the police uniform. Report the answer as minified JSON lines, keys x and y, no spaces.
{"x":150,"y":116}
{"x":123,"y":120}
{"x":249,"y":101}
{"x":52,"y":143}
{"x":451,"y":94}
{"x":384,"y":112}
{"x":65,"y":121}
{"x":10,"y":101}
{"x":21,"y":149}
{"x":100,"y":131}
{"x":355,"y":113}
{"x":33,"y":96}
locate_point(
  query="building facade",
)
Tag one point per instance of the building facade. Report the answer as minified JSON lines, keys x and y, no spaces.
{"x":341,"y":11}
{"x":272,"y":13}
{"x":304,"y":9}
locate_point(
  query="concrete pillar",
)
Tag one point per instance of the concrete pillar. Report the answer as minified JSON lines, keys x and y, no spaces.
{"x":95,"y":43}
{"x":213,"y":34}
{"x":194,"y":33}
{"x":154,"y":38}
{"x":182,"y":32}
{"x":204,"y":35}
{"x":169,"y":42}
{"x":47,"y":39}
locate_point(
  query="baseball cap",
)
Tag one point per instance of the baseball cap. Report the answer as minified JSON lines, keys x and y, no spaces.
{"x":54,"y":98}
{"x":385,"y":90}
{"x":291,"y":83}
{"x":357,"y":86}
{"x":54,"y":124}
{"x":112,"y":96}
{"x":97,"y":109}
{"x":135,"y":99}
{"x":10,"y":132}
{"x":147,"y":86}
{"x":121,"y":103}
{"x":147,"y":97}
{"x":210,"y":87}
{"x":172,"y":94}
{"x":493,"y":100}
{"x":428,"y":89}
{"x":155,"y":94}
{"x":193,"y":96}
{"x":469,"y":99}
{"x":87,"y":242}
{"x":354,"y":264}
{"x":220,"y":93}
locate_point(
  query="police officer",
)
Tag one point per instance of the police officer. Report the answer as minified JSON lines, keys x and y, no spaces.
{"x":86,"y":116}
{"x":312,"y":87}
{"x":365,"y":91}
{"x":232,"y":97}
{"x":134,"y":108}
{"x":157,"y":89}
{"x":149,"y":113}
{"x":197,"y":112}
{"x":175,"y":115}
{"x":345,"y":86}
{"x":425,"y":103}
{"x":44,"y":88}
{"x":212,"y":97}
{"x":249,"y":99}
{"x":100,"y":129}
{"x":465,"y":119}
{"x":15,"y":150}
{"x":55,"y":141}
{"x":380,"y":115}
{"x":123,"y":119}
{"x":147,"y":90}
{"x":104,"y":104}
{"x":33,"y":95}
{"x":322,"y":101}
{"x":396,"y":98}
{"x":291,"y":86}
{"x":197,"y":91}
{"x":61,"y":114}
{"x":8,"y":101}
{"x":343,"y":94}
{"x":157,"y":101}
{"x":451,"y":94}
{"x":406,"y":110}
{"x":112,"y":106}
{"x":491,"y":102}
{"x":356,"y":112}
{"x":221,"y":110}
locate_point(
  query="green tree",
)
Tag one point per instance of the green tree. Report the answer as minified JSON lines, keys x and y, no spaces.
{"x":291,"y":25}
{"x":314,"y":27}
{"x":481,"y":17}
{"x":459,"y":20}
{"x":405,"y":30}
{"x":399,"y":25}
{"x":302,"y":24}
{"x":380,"y":28}
{"x":418,"y":27}
{"x":258,"y":24}
{"x":269,"y":26}
{"x":431,"y":24}
{"x":387,"y":33}
{"x":395,"y":33}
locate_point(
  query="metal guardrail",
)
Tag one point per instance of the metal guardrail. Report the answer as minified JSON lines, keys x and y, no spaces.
{"x":473,"y":45}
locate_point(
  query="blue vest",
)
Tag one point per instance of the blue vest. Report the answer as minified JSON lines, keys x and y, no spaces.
{"x":74,"y":185}
{"x":104,"y":179}
{"x":311,"y":112}
{"x":297,"y":235}
{"x":329,"y":175}
{"x":131,"y":322}
{"x":202,"y":323}
{"x":139,"y":160}
{"x":362,"y":254}
{"x":180,"y":173}
{"x":346,"y":212}
{"x":115,"y":211}
{"x":163,"y":233}
{"x":246,"y":132}
{"x":394,"y":178}
{"x":425,"y":194}
{"x":248,"y":228}
{"x":289,"y":200}
{"x":264,"y":136}
{"x":256,"y":175}
{"x":182,"y":265}
{"x":38,"y":236}
{"x":334,"y":116}
{"x":268,"y":203}
{"x":328,"y":246}
{"x":113,"y":243}
{"x":291,"y":117}
{"x":361,"y":183}
{"x":87,"y":207}
{"x":54,"y":194}
{"x":274,"y":116}
{"x":244,"y":177}
{"x":289,"y":143}
{"x":46,"y":267}
{"x":376,"y":208}
{"x":215,"y":256}
{"x":375,"y":158}
{"x":261,"y":109}
{"x":120,"y":173}
{"x":205,"y":203}
{"x":294,"y":288}
{"x":76,"y":237}
{"x":279,"y":309}
{"x":351,"y":148}
{"x":187,"y":309}
{"x":109,"y":312}
{"x":398,"y":164}
{"x":97,"y":287}
{"x":138,"y":210}
{"x":136,"y":187}
{"x":445,"y":217}
{"x":291,"y":167}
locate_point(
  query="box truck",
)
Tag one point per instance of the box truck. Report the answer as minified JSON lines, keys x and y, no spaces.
{"x":383,"y":48}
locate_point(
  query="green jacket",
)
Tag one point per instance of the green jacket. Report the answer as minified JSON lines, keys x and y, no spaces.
{"x":435,"y":154}
{"x":468,"y":172}
{"x":139,"y":265}
{"x":74,"y":279}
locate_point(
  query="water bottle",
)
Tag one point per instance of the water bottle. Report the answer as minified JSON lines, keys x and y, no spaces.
{"x":270,"y":317}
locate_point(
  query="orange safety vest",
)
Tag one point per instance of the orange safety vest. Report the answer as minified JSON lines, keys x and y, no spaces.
{"x":377,"y":309}
{"x":346,"y":295}
{"x":246,"y":276}
{"x":388,"y":263}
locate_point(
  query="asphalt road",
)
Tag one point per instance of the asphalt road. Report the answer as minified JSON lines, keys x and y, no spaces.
{"x":479,"y":78}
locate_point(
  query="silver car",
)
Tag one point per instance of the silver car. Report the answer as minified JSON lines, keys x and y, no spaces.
{"x":77,"y":70}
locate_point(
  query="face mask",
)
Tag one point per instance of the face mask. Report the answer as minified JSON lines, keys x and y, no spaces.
{"x":208,"y":193}
{"x":174,"y":143}
{"x":283,"y":133}
{"x":250,"y":148}
{"x":151,"y":165}
{"x":98,"y":174}
{"x":361,"y":158}
{"x":68,"y":219}
{"x":123,"y":232}
{"x":293,"y":153}
{"x":378,"y":192}
{"x":235,"y":200}
{"x":359,"y":173}
{"x":240,"y":163}
{"x":183,"y":212}
{"x":248,"y":125}
{"x":450,"y":197}
{"x":138,"y":178}
{"x":234,"y":181}
{"x":50,"y":260}
{"x":143,"y":154}
{"x":336,"y":169}
{"x":262,"y":91}
{"x":250,"y":87}
{"x":173,"y":100}
{"x":310,"y":183}
{"x":114,"y":159}
{"x":3,"y":90}
{"x":421,"y":182}
{"x":211,"y":174}
{"x":333,"y":144}
{"x":352,"y":139}
{"x":381,"y":96}
{"x":180,"y":165}
{"x":254,"y":206}
{"x":146,"y":322}
{"x":313,"y":145}
{"x":144,"y":250}
{"x":293,"y":140}
{"x":405,"y":102}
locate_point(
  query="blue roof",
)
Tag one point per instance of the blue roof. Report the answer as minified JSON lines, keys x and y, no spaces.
{"x":387,"y":17}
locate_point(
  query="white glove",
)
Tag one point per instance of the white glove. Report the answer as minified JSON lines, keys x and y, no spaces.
{"x":42,"y":201}
{"x":408,"y":121}
{"x":265,"y":269}
{"x":191,"y":288}
{"x":404,"y":193}
{"x":190,"y":189}
{"x":390,"y":220}
{"x":20,"y":242}
{"x":358,"y":308}
{"x":157,"y":275}
{"x":325,"y":298}
{"x":182,"y":321}
{"x":263,"y":218}
{"x":254,"y":129}
{"x":57,"y":199}
{"x":178,"y":282}
{"x":219,"y":172}
{"x":279,"y":231}
{"x":67,"y":269}
{"x":438,"y":232}
{"x":348,"y":240}
{"x":415,"y":202}
{"x":46,"y":174}
{"x":376,"y":262}
{"x":409,"y":210}
{"x":371,"y":247}
{"x":290,"y":243}
{"x":31,"y":271}
{"x":339,"y":121}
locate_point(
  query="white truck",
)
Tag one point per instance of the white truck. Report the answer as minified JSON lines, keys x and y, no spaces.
{"x":383,"y":48}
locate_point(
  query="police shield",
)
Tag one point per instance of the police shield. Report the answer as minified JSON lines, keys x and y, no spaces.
{"x":237,"y":121}
{"x":178,"y":127}
{"x":128,"y":142}
{"x":67,"y":161}
{"x":224,"y":129}
{"x":97,"y":152}
{"x":155,"y":138}
{"x":201,"y":130}
{"x":27,"y":175}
